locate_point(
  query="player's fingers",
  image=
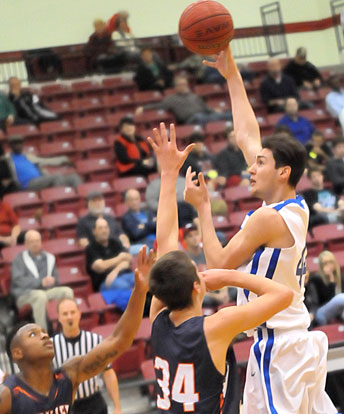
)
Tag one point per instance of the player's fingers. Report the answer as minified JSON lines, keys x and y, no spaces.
{"x":144,"y":253}
{"x":201,"y":180}
{"x":208,"y":63}
{"x":188,"y":176}
{"x":157,"y":137}
{"x":173,"y":137}
{"x":188,"y":149}
{"x":152,"y":144}
{"x":163,"y":133}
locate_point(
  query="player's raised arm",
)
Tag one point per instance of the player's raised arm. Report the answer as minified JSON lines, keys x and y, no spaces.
{"x":82,"y":368}
{"x":224,"y":325}
{"x":170,"y":160}
{"x":245,"y":123}
{"x":5,"y":400}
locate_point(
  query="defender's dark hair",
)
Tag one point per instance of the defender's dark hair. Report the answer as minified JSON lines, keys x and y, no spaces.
{"x":172,"y":278}
{"x":337,"y":141}
{"x":12,"y":333}
{"x":287,"y":151}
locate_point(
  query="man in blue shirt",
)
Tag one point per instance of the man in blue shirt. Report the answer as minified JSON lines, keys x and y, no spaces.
{"x":335,"y":99}
{"x":26,"y":170}
{"x":301,"y":128}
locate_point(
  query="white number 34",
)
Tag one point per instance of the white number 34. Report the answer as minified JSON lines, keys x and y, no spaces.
{"x":183,"y":388}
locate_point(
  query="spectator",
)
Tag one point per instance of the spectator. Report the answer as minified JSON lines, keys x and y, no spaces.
{"x":124,"y":38}
{"x":324,"y":296}
{"x":34,"y":278}
{"x":133,"y":154}
{"x":199,"y":159}
{"x":100,"y":51}
{"x":300,"y":127}
{"x":304,"y":73}
{"x":7,"y":183}
{"x":107,"y":261}
{"x":324,"y":206}
{"x":152,"y":73}
{"x":276,"y":87}
{"x":335,"y":166}
{"x":28,"y":105}
{"x":8,"y":115}
{"x":193,"y":248}
{"x":113,"y":22}
{"x":138,"y":223}
{"x":187,"y":107}
{"x":318,"y":151}
{"x":9,"y":225}
{"x":335,"y":100}
{"x":96,"y":209}
{"x":27,"y":169}
{"x":73,"y":341}
{"x":230,"y":163}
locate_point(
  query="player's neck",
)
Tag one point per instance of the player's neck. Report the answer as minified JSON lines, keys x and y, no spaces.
{"x":180,"y":316}
{"x":280,"y":194}
{"x":39,"y":377}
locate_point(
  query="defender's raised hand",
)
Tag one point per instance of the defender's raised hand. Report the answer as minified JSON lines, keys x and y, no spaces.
{"x":144,"y":266}
{"x":193,"y":194}
{"x":170,"y":159}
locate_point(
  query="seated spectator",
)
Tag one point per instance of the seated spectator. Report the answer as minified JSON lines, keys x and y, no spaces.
{"x":138,"y":223}
{"x":28,"y":106}
{"x":7,"y":183}
{"x":9,"y":225}
{"x":152,"y":73}
{"x":187,"y":107}
{"x":199,"y":159}
{"x":230,"y":163}
{"x":304,"y":73}
{"x":107,"y":261}
{"x":276,"y":87}
{"x":133,"y":154}
{"x":324,"y":206}
{"x":34,"y":278}
{"x":113,"y":22}
{"x":100,"y":52}
{"x":335,"y":99}
{"x":27,"y":168}
{"x":96,"y":209}
{"x":124,"y":38}
{"x":324,"y":297}
{"x":300,"y":127}
{"x":318,"y":151}
{"x":193,"y":248}
{"x":335,"y":166}
{"x":8,"y":115}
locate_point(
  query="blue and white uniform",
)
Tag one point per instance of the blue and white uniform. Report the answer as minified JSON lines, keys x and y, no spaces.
{"x":286,"y":370}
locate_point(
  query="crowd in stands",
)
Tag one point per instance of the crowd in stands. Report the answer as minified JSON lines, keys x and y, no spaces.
{"x":112,"y":229}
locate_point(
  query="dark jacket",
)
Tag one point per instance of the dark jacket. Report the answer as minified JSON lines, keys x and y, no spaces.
{"x":131,"y":225}
{"x":147,"y":80}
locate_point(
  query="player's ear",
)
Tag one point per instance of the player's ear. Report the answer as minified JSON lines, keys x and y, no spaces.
{"x":285,"y":172}
{"x":196,"y":287}
{"x":17,"y":353}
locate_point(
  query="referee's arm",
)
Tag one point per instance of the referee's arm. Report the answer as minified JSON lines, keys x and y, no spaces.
{"x":79,"y":369}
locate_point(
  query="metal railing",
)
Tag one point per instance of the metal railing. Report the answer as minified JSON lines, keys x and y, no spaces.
{"x":337,"y":7}
{"x":274,"y":33}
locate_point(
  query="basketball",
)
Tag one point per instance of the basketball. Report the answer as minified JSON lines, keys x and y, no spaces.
{"x":206,"y":27}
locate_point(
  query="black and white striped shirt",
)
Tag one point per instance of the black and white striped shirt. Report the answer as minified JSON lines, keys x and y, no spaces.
{"x":66,"y":348}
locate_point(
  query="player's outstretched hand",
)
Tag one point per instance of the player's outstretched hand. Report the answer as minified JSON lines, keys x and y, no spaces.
{"x":144,"y":266}
{"x":170,"y":159}
{"x":193,"y":194}
{"x":223,"y":62}
{"x":213,"y":279}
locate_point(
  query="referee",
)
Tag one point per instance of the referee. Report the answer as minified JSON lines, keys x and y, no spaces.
{"x":71,"y":342}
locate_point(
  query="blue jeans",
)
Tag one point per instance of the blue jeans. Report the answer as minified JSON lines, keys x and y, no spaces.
{"x":332,"y":309}
{"x":122,"y":281}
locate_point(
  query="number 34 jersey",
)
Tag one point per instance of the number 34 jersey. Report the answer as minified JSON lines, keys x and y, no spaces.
{"x":187,"y":380}
{"x":283,"y":265}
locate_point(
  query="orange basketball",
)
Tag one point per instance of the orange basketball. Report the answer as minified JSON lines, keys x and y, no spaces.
{"x":206,"y":27}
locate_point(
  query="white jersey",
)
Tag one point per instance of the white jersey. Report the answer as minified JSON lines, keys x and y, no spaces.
{"x":283,"y":265}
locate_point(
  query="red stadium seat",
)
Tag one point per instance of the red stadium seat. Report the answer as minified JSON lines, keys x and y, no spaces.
{"x":103,"y":187}
{"x":88,"y":106}
{"x":120,"y":209}
{"x":94,"y":147}
{"x":96,"y":169}
{"x":332,"y":234}
{"x":60,"y":199}
{"x":57,"y":129}
{"x":217,"y":146}
{"x":128,"y":364}
{"x":56,"y":92}
{"x":314,"y":245}
{"x":222,"y":224}
{"x":145,"y":97}
{"x":242,"y":351}
{"x":148,"y":373}
{"x":25,"y":203}
{"x":8,"y":255}
{"x":74,"y":278}
{"x":87,"y":88}
{"x":93,"y":125}
{"x":62,"y":108}
{"x":183,"y":132}
{"x":56,"y":148}
{"x":119,"y":103}
{"x":219,"y":104}
{"x":113,"y":121}
{"x":119,"y":84}
{"x":151,"y":119}
{"x":67,"y":252}
{"x":121,"y":185}
{"x":108,"y":313}
{"x":303,"y":184}
{"x":216,"y":129}
{"x":211,"y":90}
{"x":60,"y":224}
{"x":30,"y":223}
{"x":334,"y":332}
{"x":31,"y":133}
{"x":239,"y":198}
